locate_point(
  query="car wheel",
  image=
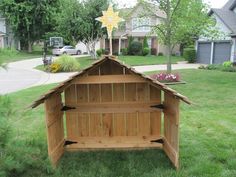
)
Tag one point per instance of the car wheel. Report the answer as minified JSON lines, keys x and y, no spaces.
{"x":78,"y":52}
{"x":64,"y":53}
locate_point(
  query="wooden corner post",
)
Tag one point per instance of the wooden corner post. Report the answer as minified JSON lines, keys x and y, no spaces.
{"x":54,"y":127}
{"x":171,"y":128}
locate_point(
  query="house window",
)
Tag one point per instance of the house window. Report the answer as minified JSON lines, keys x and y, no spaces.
{"x":141,"y":24}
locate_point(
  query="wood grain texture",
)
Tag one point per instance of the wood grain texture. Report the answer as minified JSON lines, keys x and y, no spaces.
{"x":119,"y":124}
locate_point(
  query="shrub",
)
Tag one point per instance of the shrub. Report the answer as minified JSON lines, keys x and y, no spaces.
{"x":228,"y":69}
{"x":165,"y":77}
{"x":136,"y":48}
{"x":67,"y":63}
{"x":153,"y":51}
{"x":160,"y":54}
{"x":227,"y":64}
{"x":190,"y":55}
{"x":130,"y":40}
{"x":145,"y":43}
{"x":212,"y":67}
{"x":54,"y":67}
{"x":146,"y":51}
{"x":124,"y":51}
{"x":100,"y":52}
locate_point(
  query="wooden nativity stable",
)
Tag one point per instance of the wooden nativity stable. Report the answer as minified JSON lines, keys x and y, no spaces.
{"x":111,"y":106}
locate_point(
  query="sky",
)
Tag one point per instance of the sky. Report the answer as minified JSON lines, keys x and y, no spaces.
{"x":212,"y":3}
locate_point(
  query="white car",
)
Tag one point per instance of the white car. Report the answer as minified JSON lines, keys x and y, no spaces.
{"x":66,"y":50}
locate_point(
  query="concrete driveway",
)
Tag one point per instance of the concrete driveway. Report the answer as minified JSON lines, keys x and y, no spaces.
{"x":21,"y":75}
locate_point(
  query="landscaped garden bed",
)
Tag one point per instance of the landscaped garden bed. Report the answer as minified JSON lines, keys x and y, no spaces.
{"x":168,"y":78}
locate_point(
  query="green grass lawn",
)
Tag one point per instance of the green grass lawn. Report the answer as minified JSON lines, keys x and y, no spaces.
{"x":207,"y":141}
{"x":129,"y":60}
{"x":11,"y":56}
{"x":148,"y":60}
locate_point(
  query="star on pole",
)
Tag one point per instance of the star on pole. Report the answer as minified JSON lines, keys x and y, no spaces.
{"x":110,"y":20}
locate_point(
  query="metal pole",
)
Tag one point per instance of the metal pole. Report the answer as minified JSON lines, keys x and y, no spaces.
{"x":110,"y":45}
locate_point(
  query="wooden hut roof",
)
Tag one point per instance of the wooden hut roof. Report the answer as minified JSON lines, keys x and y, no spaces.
{"x":61,"y":87}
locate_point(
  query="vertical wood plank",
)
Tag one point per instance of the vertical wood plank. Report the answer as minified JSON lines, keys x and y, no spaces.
{"x":83,"y":124}
{"x":155,"y":94}
{"x":130,"y":92}
{"x":82,"y":93}
{"x":106,"y":92}
{"x":95,"y":125}
{"x":144,"y":123}
{"x":119,"y":124}
{"x":94,"y":93}
{"x":118,"y":92}
{"x":142,"y":92}
{"x":131,"y":122}
{"x":155,"y":118}
{"x":107,"y":124}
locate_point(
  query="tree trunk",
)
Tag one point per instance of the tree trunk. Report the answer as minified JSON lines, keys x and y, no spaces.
{"x":169,"y":68}
{"x":30,"y":46}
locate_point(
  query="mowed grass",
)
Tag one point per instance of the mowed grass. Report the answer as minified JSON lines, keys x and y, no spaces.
{"x":207,"y":137}
{"x":129,"y":60}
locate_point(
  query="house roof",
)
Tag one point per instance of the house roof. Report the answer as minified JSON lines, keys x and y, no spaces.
{"x":151,"y":9}
{"x":227,"y":16}
{"x":61,"y":87}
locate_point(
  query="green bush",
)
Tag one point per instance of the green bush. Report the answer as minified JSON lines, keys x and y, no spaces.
{"x":100,"y":52}
{"x":136,"y":48}
{"x":9,"y":52}
{"x":227,"y":64}
{"x":124,"y":51}
{"x":67,"y":63}
{"x":145,"y":43}
{"x":190,"y":55}
{"x":130,"y":40}
{"x":213,"y":67}
{"x":160,"y":54}
{"x":146,"y":51}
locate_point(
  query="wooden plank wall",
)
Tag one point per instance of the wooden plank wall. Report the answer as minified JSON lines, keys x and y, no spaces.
{"x":102,"y":99}
{"x":171,"y":128}
{"x":55,"y":129}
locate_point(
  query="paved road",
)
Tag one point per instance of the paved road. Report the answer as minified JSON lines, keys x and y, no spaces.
{"x":21,"y":75}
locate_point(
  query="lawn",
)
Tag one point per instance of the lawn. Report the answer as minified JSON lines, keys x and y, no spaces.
{"x":129,"y":60}
{"x":7,"y":56}
{"x":207,"y":142}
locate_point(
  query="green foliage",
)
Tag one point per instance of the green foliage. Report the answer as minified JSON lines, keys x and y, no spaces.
{"x":190,"y":55}
{"x":77,"y":21}
{"x":146,"y":51}
{"x":130,"y":40}
{"x":227,"y":64}
{"x":100,"y":52}
{"x":29,"y":20}
{"x":67,"y":63}
{"x":224,"y":68}
{"x":124,"y":51}
{"x":136,"y":48}
{"x":145,"y":42}
{"x":160,"y":54}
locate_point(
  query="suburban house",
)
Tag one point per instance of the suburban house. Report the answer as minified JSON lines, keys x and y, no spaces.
{"x":223,"y":49}
{"x":138,"y":22}
{"x":7,"y":39}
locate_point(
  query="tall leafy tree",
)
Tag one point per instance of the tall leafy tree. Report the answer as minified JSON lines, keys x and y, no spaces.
{"x":184,"y":20}
{"x":76,"y":22}
{"x":30,"y":20}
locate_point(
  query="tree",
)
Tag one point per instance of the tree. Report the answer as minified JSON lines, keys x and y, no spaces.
{"x":77,"y":22}
{"x":184,"y":20}
{"x":29,"y":20}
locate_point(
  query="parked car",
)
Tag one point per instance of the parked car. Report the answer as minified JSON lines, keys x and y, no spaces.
{"x":66,"y":50}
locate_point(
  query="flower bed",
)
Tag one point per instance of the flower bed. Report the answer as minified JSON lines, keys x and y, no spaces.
{"x":166,"y":77}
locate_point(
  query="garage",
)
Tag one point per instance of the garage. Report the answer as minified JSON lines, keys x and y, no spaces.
{"x":214,"y":52}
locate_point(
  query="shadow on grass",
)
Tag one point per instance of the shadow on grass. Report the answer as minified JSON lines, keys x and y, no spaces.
{"x":115,"y":163}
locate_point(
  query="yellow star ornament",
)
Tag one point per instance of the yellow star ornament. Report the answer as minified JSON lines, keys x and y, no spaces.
{"x":110,"y":20}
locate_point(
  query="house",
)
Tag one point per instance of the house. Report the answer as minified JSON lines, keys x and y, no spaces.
{"x":7,"y":39}
{"x":223,"y":49}
{"x":138,"y":22}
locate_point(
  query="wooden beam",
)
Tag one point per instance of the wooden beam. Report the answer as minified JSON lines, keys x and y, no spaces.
{"x":113,"y":107}
{"x":106,"y":79}
{"x":116,"y":142}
